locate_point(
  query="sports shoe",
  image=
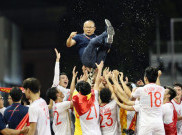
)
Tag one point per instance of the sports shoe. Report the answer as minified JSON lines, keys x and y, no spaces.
{"x":110,"y":31}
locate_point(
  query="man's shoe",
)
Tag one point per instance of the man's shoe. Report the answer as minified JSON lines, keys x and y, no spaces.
{"x":110,"y":31}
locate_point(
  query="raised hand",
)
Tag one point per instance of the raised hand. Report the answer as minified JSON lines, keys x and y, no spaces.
{"x":121,"y":76}
{"x":140,"y":83}
{"x":73,"y":34}
{"x":108,"y":75}
{"x":100,"y":66}
{"x":116,"y":72}
{"x":74,"y":72}
{"x":114,"y":77}
{"x":159,"y":73}
{"x":106,"y":71}
{"x":126,"y":79}
{"x":58,"y":55}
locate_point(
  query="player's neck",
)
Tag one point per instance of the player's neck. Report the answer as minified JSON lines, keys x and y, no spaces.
{"x":103,"y":104}
{"x":167,"y":100}
{"x":178,"y":100}
{"x":17,"y":102}
{"x":35,"y":97}
{"x":58,"y":100}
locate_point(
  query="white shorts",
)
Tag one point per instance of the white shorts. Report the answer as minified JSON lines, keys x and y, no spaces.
{"x":156,"y":129}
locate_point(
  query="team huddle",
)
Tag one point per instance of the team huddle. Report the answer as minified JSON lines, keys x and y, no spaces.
{"x":99,"y":102}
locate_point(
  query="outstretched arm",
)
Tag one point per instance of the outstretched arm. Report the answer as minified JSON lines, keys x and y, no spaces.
{"x":126,"y":107}
{"x":122,"y":96}
{"x":125,"y":87}
{"x":72,"y":87}
{"x":8,"y":131}
{"x":56,"y":69}
{"x":118,"y":86}
{"x":70,"y":42}
{"x":158,"y":78}
{"x":50,"y":104}
{"x":98,"y":78}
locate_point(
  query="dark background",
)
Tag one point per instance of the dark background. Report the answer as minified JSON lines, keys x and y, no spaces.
{"x":46,"y":24}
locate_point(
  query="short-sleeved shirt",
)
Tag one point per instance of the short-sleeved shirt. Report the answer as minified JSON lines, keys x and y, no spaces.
{"x":2,"y":123}
{"x":82,"y":41}
{"x":39,"y":113}
{"x":167,"y":111}
{"x":151,"y":100}
{"x":108,"y":119}
{"x":179,"y":111}
{"x":61,"y":122}
{"x":2,"y":110}
{"x":17,"y":111}
{"x":88,"y":123}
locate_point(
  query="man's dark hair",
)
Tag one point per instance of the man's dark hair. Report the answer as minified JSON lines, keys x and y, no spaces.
{"x":16,"y":94}
{"x":51,"y":93}
{"x":177,"y":84}
{"x":89,"y":21}
{"x":151,"y":73}
{"x":105,"y":95}
{"x":171,"y":92}
{"x":33,"y":84}
{"x":83,"y":87}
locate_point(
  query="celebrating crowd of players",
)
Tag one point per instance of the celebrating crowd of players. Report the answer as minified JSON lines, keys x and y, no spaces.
{"x":99,"y":102}
{"x":109,"y":106}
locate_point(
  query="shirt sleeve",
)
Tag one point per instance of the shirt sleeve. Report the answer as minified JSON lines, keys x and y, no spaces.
{"x":136,"y":107}
{"x":63,"y":90}
{"x":137,"y":102}
{"x":56,"y":75}
{"x":63,"y":106}
{"x":96,"y":95}
{"x":164,"y":109}
{"x":76,"y":38}
{"x":33,"y":114}
{"x":136,"y":93}
{"x":2,"y":122}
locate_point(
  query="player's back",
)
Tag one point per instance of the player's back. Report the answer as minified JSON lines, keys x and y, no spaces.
{"x":151,"y":99}
{"x":108,"y":119}
{"x":39,"y":113}
{"x":61,"y":122}
{"x":90,"y":121}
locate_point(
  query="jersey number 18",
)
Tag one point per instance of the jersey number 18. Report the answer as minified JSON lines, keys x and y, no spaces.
{"x":157,"y":97}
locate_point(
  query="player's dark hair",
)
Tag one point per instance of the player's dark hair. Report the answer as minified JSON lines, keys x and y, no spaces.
{"x":83,"y":87}
{"x":151,"y":73}
{"x":177,"y":84}
{"x":63,"y":73}
{"x":24,"y":100}
{"x":105,"y":95}
{"x":33,"y":84}
{"x":16,"y":94}
{"x":51,"y":93}
{"x":171,"y":92}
